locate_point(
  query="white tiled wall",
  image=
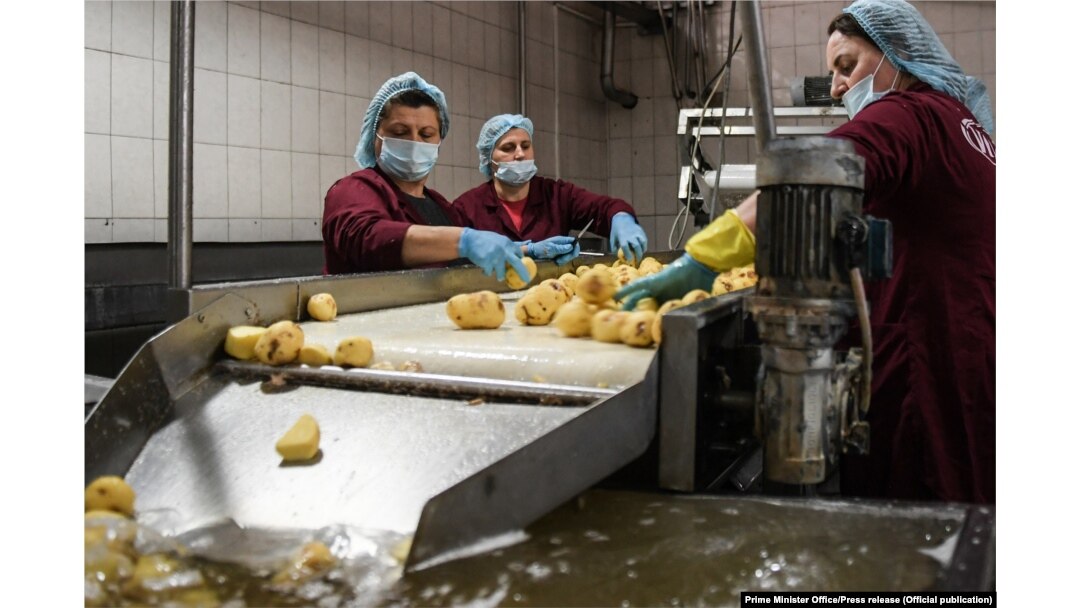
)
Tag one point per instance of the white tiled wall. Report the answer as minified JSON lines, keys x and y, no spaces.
{"x":281,"y":88}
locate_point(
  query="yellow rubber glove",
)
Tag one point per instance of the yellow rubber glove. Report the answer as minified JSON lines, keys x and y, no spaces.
{"x":723,"y":244}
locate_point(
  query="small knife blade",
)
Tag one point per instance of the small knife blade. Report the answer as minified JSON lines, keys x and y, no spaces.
{"x":582,"y":231}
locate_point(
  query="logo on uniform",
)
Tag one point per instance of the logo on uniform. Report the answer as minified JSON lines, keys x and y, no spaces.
{"x":977,"y":137}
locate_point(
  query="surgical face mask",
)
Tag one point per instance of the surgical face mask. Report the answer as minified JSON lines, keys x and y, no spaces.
{"x":514,"y":172}
{"x":407,"y":160}
{"x":863,"y":94}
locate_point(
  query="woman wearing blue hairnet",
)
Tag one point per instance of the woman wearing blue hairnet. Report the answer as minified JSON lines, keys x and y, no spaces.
{"x":924,"y":129}
{"x":383,"y":217}
{"x":539,"y":211}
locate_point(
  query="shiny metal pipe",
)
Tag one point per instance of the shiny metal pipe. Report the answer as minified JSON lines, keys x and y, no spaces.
{"x":758,"y":64}
{"x":521,"y":57}
{"x":181,"y":113}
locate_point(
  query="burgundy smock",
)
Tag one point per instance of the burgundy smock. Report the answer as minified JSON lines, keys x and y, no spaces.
{"x":930,"y":170}
{"x":553,"y":208}
{"x":365,"y":219}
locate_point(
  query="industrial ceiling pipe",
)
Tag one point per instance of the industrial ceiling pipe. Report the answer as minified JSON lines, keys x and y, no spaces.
{"x":181,"y":113}
{"x":521,"y":58}
{"x":760,"y":91}
{"x":607,"y":82}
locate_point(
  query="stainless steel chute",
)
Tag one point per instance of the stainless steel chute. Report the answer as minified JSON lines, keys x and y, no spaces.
{"x":501,"y":426}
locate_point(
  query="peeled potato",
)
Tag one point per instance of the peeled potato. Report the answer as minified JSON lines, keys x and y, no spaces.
{"x":596,"y":286}
{"x":356,"y":351}
{"x":514,"y":280}
{"x":657,"y":326}
{"x":536,"y":308}
{"x":301,"y":442}
{"x":110,"y":493}
{"x":569,"y":281}
{"x":240,"y":341}
{"x":155,"y":572}
{"x":315,"y":355}
{"x":280,"y":344}
{"x":479,"y":310}
{"x":555,"y":290}
{"x":696,"y":295}
{"x":636,"y":329}
{"x":606,"y":325}
{"x":574,"y":319}
{"x":649,"y":265}
{"x":581,"y":270}
{"x":647,"y":304}
{"x":322,"y":307}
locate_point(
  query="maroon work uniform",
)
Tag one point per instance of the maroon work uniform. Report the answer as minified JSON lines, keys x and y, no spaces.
{"x":553,"y":208}
{"x":365,"y":219}
{"x":930,"y":170}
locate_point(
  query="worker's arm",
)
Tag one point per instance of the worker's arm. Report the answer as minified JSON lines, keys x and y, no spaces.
{"x":490,"y":251}
{"x":430,"y":244}
{"x":724,"y":244}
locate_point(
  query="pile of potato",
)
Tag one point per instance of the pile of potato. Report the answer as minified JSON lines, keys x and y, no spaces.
{"x":128,"y":566}
{"x":580,"y":304}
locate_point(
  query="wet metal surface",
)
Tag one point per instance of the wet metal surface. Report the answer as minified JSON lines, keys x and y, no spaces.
{"x":615,"y":548}
{"x":618,"y":548}
{"x":383,"y":456}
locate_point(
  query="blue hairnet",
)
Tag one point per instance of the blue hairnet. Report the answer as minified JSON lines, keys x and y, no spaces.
{"x":911,"y":45}
{"x":365,"y":150}
{"x":494,"y":129}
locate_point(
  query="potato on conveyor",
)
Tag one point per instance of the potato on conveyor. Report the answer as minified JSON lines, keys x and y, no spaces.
{"x":696,"y":295}
{"x":280,"y":344}
{"x":478,"y":310}
{"x":734,"y":280}
{"x":574,"y":319}
{"x":657,"y":327}
{"x":514,"y":280}
{"x":596,"y":286}
{"x":356,"y":351}
{"x":240,"y":341}
{"x":536,"y":308}
{"x":647,"y":304}
{"x":569,"y":281}
{"x":636,"y":329}
{"x":581,"y":270}
{"x":315,"y":355}
{"x":322,"y":307}
{"x":110,"y":493}
{"x":607,"y":324}
{"x":554,"y":289}
{"x":301,"y":442}
{"x":649,"y":265}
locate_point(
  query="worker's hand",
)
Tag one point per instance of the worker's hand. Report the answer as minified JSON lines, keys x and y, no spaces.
{"x":679,"y":278}
{"x":492,"y":252}
{"x":561,"y":249}
{"x":628,"y":236}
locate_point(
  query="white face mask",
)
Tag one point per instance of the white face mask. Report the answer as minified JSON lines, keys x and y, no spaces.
{"x":863,"y":94}
{"x":405,"y":159}
{"x":515,"y":173}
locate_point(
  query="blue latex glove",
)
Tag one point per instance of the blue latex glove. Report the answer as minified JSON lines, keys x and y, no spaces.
{"x":628,"y":236}
{"x":492,"y":252}
{"x":680,"y":277}
{"x":562,"y":249}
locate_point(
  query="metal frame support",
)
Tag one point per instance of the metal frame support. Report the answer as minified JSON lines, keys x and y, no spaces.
{"x":181,"y":120}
